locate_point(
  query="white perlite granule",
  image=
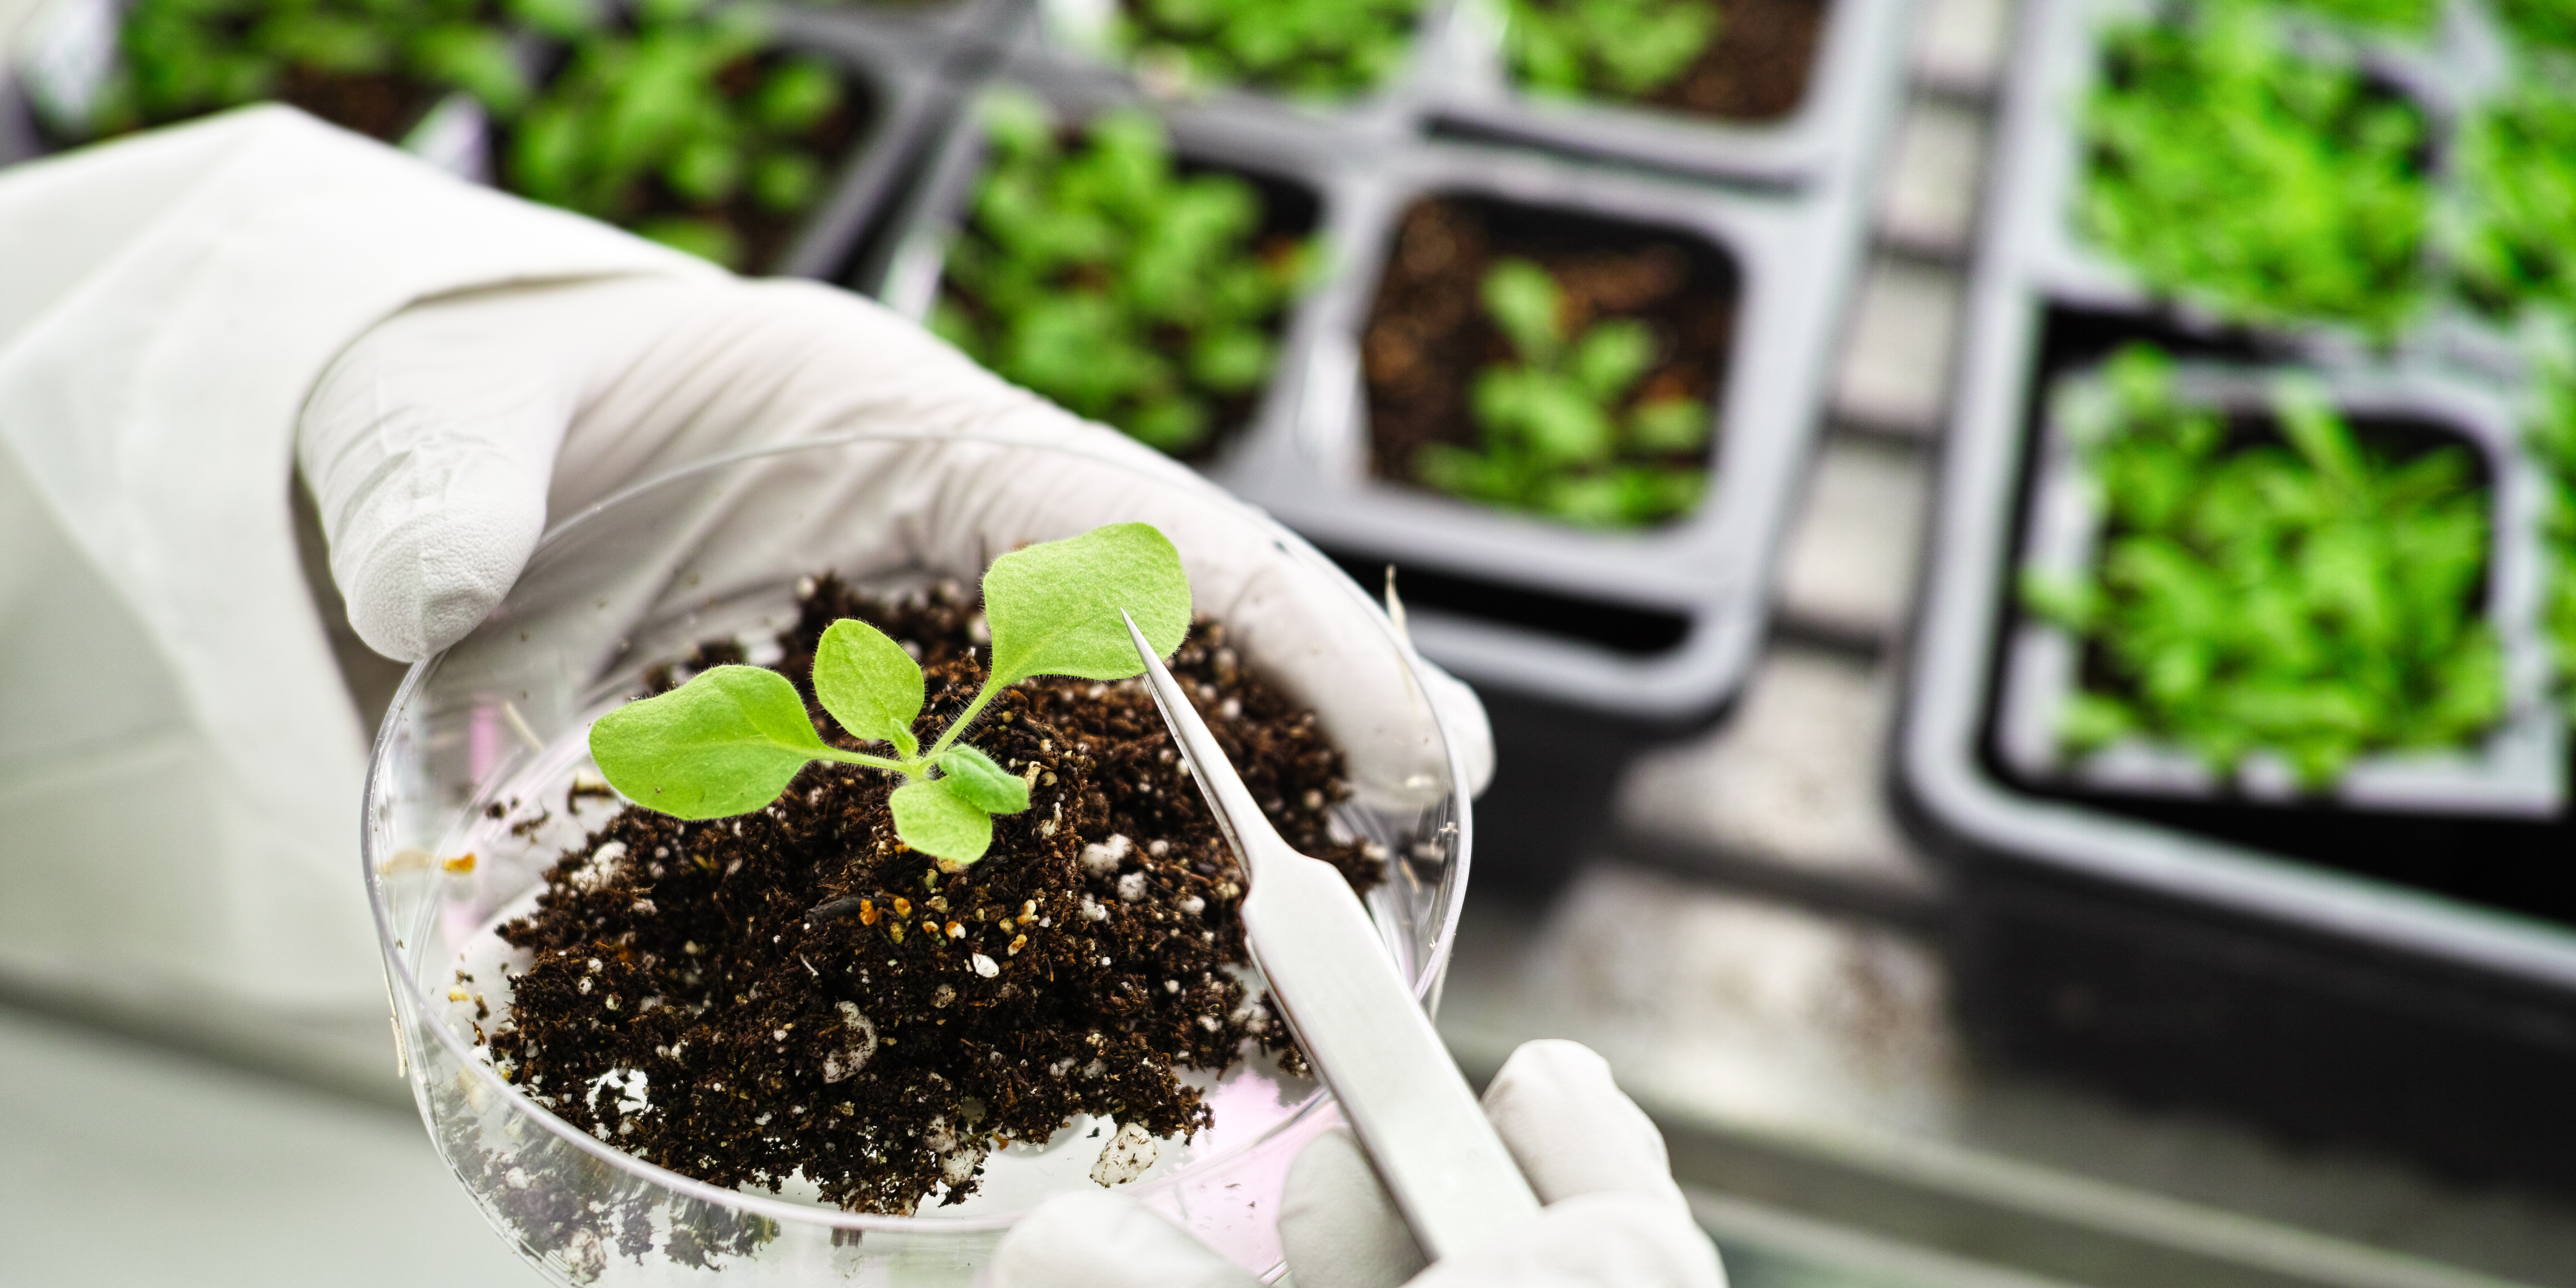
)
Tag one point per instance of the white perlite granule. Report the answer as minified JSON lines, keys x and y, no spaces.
{"x":600,"y":868}
{"x":1100,"y":858}
{"x":1126,"y":1157}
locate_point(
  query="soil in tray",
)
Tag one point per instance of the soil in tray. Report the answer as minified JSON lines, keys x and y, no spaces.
{"x":2512,"y":865}
{"x":1429,"y":333}
{"x":803,"y":993}
{"x":1757,"y":67}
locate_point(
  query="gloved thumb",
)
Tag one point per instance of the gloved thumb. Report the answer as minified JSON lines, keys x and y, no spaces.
{"x":1104,"y":1241}
{"x":430,"y":441}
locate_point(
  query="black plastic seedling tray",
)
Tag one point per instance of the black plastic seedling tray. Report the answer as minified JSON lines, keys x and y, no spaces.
{"x":2401,"y":975}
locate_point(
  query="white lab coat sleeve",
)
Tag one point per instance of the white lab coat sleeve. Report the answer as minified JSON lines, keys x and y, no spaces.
{"x":180,"y":765}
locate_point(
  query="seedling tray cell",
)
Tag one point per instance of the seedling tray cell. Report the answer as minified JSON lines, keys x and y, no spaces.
{"x":2519,"y":769}
{"x":68,"y":50}
{"x":2393,"y":964}
{"x":1291,"y":168}
{"x":1074,"y":35}
{"x":1656,"y":624}
{"x":1830,"y":135}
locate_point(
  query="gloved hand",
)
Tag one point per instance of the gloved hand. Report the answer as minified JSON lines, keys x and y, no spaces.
{"x":1613,"y":1216}
{"x":440,"y":443}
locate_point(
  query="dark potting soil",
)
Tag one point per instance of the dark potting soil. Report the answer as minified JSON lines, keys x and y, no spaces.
{"x":1428,"y":332}
{"x":801,"y":992}
{"x":1758,"y":66}
{"x":380,"y":105}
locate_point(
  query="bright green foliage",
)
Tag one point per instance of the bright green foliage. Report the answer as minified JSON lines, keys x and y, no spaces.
{"x":1319,"y":49}
{"x":648,"y":113}
{"x":2518,"y":159}
{"x":2225,"y":170}
{"x":1563,"y":436}
{"x":1104,"y":279}
{"x":1606,"y":48}
{"x":2550,"y":23}
{"x":2394,"y":15}
{"x":732,"y":738}
{"x":187,"y":58}
{"x":2551,"y":436}
{"x":727,"y":742}
{"x":2315,"y":597}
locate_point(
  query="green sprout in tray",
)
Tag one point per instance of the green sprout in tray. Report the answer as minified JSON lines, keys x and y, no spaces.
{"x":2412,"y":16}
{"x":1100,"y":275}
{"x":1320,"y":49}
{"x":374,"y":66}
{"x":2518,"y":160}
{"x":2225,"y":169}
{"x":2551,"y":438}
{"x":1617,"y":49}
{"x":2546,"y":23}
{"x":686,"y":130}
{"x":731,"y":740}
{"x":1567,"y":431}
{"x":2299,"y":591}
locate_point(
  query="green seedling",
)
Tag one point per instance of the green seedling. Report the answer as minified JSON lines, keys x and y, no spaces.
{"x":2518,"y":160}
{"x":2547,"y":23}
{"x":2227,"y":170}
{"x":2392,"y":15}
{"x":1619,"y":49}
{"x":1317,"y":49}
{"x":186,"y":58}
{"x":678,"y":128}
{"x":2306,"y":595}
{"x":2550,"y":435}
{"x":732,"y":739}
{"x":1565,"y":433}
{"x":1105,"y":279}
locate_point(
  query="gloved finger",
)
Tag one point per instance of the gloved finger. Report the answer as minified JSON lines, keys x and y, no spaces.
{"x":430,"y":442}
{"x":1104,"y":1241}
{"x":1573,"y":1131}
{"x":1589,"y":1241}
{"x":1462,"y":717}
{"x":1338,"y":1226}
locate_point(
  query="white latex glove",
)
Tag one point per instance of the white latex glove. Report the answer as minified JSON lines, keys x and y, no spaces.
{"x":441,"y":442}
{"x":1613,"y":1216}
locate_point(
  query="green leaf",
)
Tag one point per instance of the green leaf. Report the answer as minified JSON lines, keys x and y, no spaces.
{"x":1054,"y":607}
{"x":1611,"y":356}
{"x":727,"y":742}
{"x":1670,"y":425}
{"x":932,"y":818}
{"x":978,"y":781}
{"x":1524,"y":303}
{"x":869,"y":683}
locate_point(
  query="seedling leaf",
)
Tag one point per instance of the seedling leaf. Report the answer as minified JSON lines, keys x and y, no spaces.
{"x":931,"y":817}
{"x":869,"y":684}
{"x":1054,"y":607}
{"x":978,"y":781}
{"x":727,"y":742}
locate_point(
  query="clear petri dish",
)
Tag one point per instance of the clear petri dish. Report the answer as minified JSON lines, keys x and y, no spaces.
{"x":715,"y":552}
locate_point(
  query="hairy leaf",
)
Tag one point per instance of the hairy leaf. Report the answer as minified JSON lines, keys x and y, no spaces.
{"x":974,"y":777}
{"x":932,"y":818}
{"x":1054,"y":607}
{"x":727,"y":742}
{"x":868,"y":683}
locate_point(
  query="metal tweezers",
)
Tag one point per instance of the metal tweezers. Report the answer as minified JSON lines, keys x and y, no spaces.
{"x":1354,"y":1015}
